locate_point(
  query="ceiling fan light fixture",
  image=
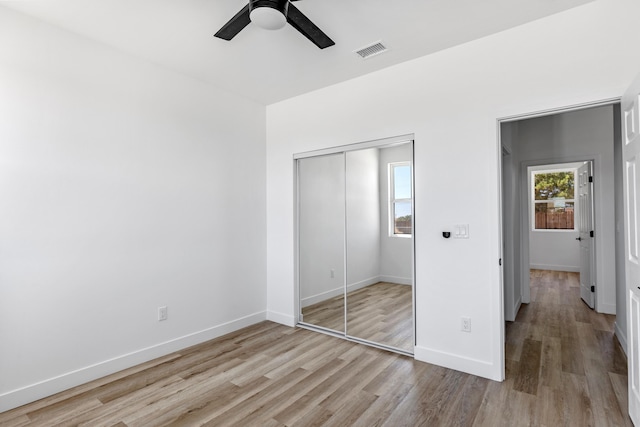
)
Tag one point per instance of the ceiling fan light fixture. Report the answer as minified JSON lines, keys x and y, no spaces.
{"x":274,"y":14}
{"x":269,"y":14}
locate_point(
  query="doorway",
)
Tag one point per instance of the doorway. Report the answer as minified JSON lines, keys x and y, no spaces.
{"x":574,"y":135}
{"x":561,"y":221}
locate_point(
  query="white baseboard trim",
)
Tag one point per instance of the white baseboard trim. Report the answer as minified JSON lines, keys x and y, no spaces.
{"x":283,"y":319}
{"x":606,"y":308}
{"x":31,"y":393}
{"x":571,"y":268}
{"x":306,"y":302}
{"x":363,"y":283}
{"x":516,"y":307}
{"x":621,"y":337}
{"x":395,"y":279}
{"x":514,"y":312}
{"x":459,"y":363}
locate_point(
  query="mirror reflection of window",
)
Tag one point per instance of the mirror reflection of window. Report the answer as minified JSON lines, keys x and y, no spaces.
{"x":400,"y":199}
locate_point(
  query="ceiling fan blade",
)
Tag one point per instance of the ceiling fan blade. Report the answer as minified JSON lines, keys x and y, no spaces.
{"x":307,"y":28}
{"x":235,"y":25}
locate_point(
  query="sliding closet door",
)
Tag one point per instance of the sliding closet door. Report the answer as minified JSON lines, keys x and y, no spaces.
{"x":355,"y":242}
{"x":379,"y":245}
{"x":321,"y":233}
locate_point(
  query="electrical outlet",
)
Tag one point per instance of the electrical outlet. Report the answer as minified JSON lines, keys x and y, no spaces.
{"x":333,"y":273}
{"x":162,"y":313}
{"x":466,"y":324}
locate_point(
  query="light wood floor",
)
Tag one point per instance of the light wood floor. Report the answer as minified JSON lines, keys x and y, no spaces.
{"x":328,"y":314}
{"x":381,"y":313}
{"x":564,"y":368}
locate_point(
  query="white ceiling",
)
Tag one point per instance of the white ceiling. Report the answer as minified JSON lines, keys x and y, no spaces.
{"x":269,"y":66}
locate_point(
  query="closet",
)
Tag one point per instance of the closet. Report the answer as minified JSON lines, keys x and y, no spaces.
{"x":355,"y":242}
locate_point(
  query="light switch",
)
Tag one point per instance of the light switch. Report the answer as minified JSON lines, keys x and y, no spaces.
{"x":461,"y":231}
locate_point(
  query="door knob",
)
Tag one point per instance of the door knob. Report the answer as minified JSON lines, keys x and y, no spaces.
{"x":579,"y":238}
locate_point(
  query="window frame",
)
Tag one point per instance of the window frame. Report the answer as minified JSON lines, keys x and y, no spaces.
{"x":533,"y":202}
{"x":393,"y":200}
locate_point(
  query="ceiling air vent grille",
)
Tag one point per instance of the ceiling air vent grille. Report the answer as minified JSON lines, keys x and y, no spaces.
{"x":371,"y":50}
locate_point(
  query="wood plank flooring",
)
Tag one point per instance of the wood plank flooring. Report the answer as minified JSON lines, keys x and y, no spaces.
{"x":381,"y":313}
{"x":564,"y":368}
{"x":327,"y":314}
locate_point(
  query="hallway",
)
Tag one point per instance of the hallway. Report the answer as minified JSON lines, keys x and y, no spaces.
{"x":563,"y":362}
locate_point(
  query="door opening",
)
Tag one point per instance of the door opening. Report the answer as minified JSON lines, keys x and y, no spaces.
{"x":569,"y":137}
{"x":561,"y":227}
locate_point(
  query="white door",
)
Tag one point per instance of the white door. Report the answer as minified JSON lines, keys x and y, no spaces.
{"x":586,"y":236}
{"x":630,"y":155}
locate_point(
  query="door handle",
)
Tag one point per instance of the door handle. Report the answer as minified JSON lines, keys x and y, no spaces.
{"x":579,"y":238}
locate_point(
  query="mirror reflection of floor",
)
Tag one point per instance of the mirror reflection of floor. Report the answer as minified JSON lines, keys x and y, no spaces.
{"x":381,"y":313}
{"x":327,"y":314}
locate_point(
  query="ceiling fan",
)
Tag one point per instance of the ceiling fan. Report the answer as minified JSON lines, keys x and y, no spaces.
{"x":272,"y":15}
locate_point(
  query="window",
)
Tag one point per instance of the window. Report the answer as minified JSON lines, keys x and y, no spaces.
{"x":553,"y":199}
{"x":400,"y":201}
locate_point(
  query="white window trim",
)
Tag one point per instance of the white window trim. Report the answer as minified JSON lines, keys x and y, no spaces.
{"x":532,"y":200}
{"x":393,"y":200}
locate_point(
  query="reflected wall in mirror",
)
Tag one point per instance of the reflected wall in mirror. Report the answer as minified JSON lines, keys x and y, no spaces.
{"x":379,"y":243}
{"x":321,"y":196}
{"x":355,"y":244}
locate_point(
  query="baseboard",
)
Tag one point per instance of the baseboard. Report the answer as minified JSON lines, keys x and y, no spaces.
{"x":571,"y":268}
{"x":606,"y":308}
{"x":314,"y":299}
{"x":622,"y":338}
{"x":458,"y":363}
{"x":283,"y":319}
{"x":516,"y":308}
{"x":396,"y":280}
{"x":363,"y":283}
{"x":48,"y":387}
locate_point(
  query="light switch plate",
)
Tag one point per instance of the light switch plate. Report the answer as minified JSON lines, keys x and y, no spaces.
{"x":461,"y":231}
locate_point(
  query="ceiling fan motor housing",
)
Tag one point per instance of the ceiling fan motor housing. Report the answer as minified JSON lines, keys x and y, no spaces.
{"x":263,"y":13}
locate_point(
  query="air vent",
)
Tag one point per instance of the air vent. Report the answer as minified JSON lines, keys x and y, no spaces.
{"x":373,"y":49}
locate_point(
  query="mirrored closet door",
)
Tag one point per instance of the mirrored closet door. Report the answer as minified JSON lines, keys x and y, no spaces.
{"x":321,"y":241}
{"x":355,"y":243}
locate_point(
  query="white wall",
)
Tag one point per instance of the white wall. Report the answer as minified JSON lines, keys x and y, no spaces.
{"x":579,"y":135}
{"x":396,"y":255}
{"x":451,"y":101}
{"x":552,"y":249}
{"x":123,"y":188}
